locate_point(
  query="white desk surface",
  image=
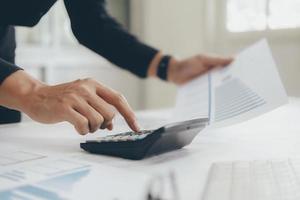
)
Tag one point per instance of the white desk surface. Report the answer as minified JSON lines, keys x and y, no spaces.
{"x":273,"y":135}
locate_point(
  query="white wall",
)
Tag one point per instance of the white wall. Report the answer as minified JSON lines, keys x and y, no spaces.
{"x":175,"y":27}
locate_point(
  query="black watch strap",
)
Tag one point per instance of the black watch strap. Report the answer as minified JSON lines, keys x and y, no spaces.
{"x":162,"y":68}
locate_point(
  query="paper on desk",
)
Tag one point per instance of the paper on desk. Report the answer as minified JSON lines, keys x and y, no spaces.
{"x":249,"y":87}
{"x":65,"y":178}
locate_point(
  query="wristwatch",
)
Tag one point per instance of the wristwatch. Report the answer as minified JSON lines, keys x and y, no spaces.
{"x":162,"y":68}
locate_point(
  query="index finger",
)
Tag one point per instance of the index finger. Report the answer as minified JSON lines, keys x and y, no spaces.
{"x":120,"y":103}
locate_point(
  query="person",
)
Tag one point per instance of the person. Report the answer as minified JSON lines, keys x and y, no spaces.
{"x":85,"y":103}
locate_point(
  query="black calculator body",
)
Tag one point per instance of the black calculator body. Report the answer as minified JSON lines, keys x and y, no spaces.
{"x":136,"y":146}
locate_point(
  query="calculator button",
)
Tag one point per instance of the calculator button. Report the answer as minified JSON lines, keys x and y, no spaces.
{"x":127,"y":136}
{"x":134,"y":137}
{"x":141,"y":136}
{"x":117,"y":138}
{"x":108,"y":138}
{"x":100,"y":139}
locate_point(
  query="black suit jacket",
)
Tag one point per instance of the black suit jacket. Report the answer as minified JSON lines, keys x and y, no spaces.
{"x":91,"y":25}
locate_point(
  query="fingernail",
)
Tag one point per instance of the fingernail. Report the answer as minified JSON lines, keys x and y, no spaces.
{"x":103,"y":126}
{"x":110,"y":127}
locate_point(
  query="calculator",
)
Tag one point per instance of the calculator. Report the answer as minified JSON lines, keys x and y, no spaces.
{"x":136,"y":146}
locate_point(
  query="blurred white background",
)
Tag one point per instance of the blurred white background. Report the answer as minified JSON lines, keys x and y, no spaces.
{"x":182,"y":28}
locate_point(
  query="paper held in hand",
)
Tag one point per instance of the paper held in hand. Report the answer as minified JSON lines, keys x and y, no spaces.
{"x":247,"y":88}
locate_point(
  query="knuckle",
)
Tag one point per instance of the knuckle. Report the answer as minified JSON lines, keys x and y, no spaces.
{"x":100,"y":120}
{"x":83,"y":124}
{"x":81,"y":83}
{"x":86,"y":94}
{"x":82,"y":131}
{"x":77,"y":81}
{"x":89,"y":80}
{"x":82,"y":87}
{"x":82,"y":90}
{"x":71,"y":96}
{"x":119,"y":98}
{"x":68,"y":100}
{"x":200,"y":56}
{"x":109,"y":116}
{"x":97,"y":122}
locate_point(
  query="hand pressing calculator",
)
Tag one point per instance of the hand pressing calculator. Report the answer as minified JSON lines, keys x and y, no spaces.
{"x":136,"y":146}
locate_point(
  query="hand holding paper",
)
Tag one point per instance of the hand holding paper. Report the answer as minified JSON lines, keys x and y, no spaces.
{"x":250,"y":86}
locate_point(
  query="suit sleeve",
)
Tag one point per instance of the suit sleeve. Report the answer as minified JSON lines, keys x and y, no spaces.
{"x":7,"y":52}
{"x":23,"y":12}
{"x":6,"y":69}
{"x":95,"y":29}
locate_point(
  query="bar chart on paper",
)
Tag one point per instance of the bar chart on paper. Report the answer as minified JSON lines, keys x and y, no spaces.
{"x":68,"y":178}
{"x":23,"y":173}
{"x":235,"y":98}
{"x":50,"y":189}
{"x":247,"y":88}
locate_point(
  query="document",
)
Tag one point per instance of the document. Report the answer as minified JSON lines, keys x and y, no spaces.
{"x":248,"y":87}
{"x":193,"y":100}
{"x":66,"y":178}
{"x":15,"y":157}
